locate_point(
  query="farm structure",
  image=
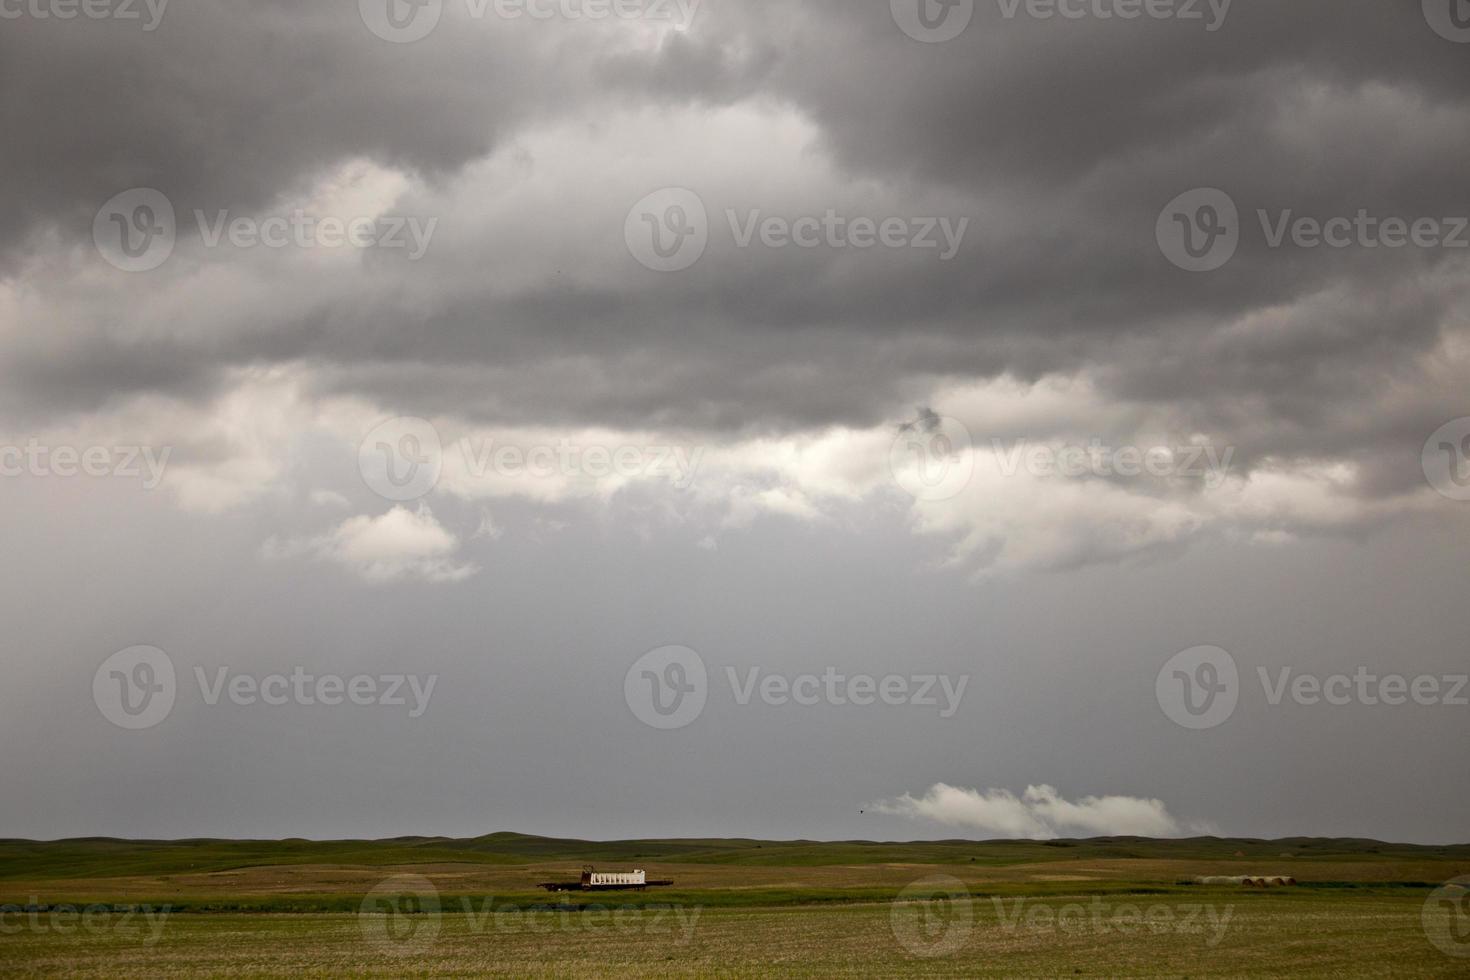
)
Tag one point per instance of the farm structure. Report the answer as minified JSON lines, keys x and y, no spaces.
{"x":593,"y":880}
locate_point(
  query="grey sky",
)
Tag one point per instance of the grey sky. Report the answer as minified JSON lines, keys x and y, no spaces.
{"x":784,"y":534}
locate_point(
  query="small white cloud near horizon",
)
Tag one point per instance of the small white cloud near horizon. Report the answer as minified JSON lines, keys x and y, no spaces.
{"x":1040,"y":813}
{"x":397,"y":546}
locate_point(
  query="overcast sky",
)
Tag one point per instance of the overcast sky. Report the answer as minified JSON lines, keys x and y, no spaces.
{"x":633,"y":391}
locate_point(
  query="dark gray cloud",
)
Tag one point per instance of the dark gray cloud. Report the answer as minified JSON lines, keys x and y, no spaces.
{"x":1061,"y":140}
{"x":226,"y":105}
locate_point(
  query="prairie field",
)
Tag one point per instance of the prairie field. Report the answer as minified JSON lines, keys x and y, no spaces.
{"x":1111,"y":907}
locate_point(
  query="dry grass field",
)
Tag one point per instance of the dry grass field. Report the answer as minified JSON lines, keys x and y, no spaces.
{"x":1097,"y":908}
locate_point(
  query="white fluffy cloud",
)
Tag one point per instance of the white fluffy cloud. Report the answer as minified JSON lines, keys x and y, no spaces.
{"x":271,"y":437}
{"x":400,"y":545}
{"x":1040,"y":813}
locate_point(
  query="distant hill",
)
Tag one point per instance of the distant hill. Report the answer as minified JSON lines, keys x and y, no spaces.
{"x":98,"y":856}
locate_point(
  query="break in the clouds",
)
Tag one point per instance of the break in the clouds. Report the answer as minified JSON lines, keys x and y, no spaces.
{"x":1040,"y":813}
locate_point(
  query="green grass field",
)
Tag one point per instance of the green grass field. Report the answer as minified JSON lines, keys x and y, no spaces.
{"x":435,"y":907}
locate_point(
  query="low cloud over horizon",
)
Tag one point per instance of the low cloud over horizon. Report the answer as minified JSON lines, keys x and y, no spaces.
{"x":1040,"y":813}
